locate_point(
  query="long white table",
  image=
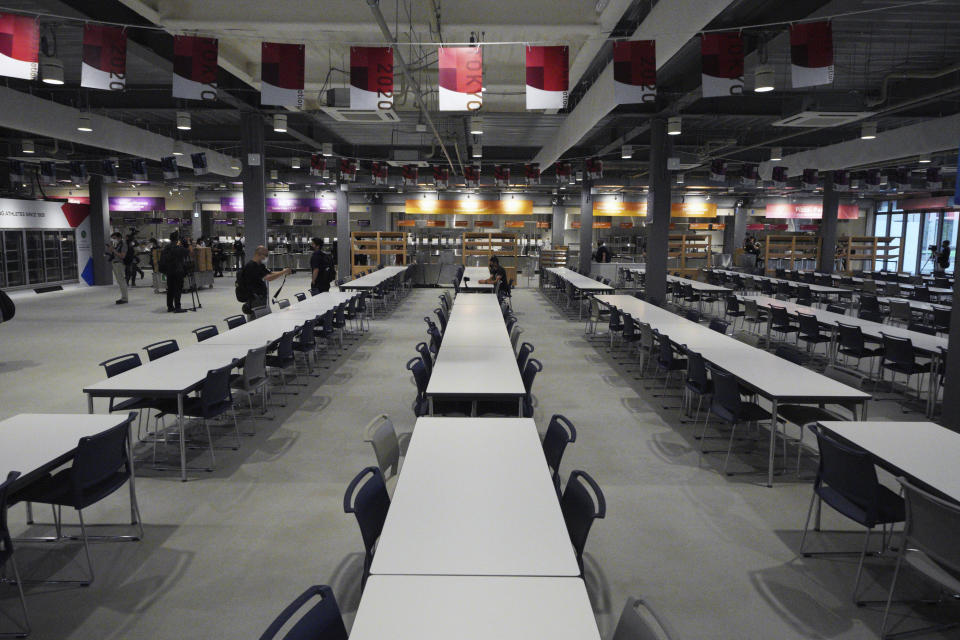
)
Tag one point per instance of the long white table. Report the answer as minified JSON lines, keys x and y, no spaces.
{"x":475,"y":498}
{"x":581,"y":283}
{"x":479,"y":362}
{"x":923,"y":451}
{"x":772,"y":377}
{"x":474,"y":608}
{"x":475,"y":275}
{"x":697,"y":285}
{"x":372,"y":280}
{"x":814,"y":288}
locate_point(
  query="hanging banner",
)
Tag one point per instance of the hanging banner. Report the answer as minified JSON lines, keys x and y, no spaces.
{"x":78,"y":172}
{"x":410,"y":175}
{"x":48,"y":174}
{"x":501,"y":176}
{"x":900,"y":178}
{"x":547,"y":77}
{"x":635,"y":72}
{"x":809,"y":179}
{"x":282,"y":204}
{"x":779,"y":177}
{"x":139,"y":171}
{"x":934,"y":179}
{"x":109,"y":169}
{"x":441,"y":177}
{"x":19,"y":46}
{"x":750,"y":175}
{"x":136,"y":203}
{"x":722,"y":60}
{"x":564,"y":173}
{"x":104,"y":58}
{"x":873,"y":180}
{"x":170,"y":169}
{"x":531,"y":173}
{"x":318,"y":166}
{"x":594,"y":168}
{"x":461,"y":78}
{"x":195,"y":68}
{"x":430,"y":206}
{"x":471,"y":175}
{"x":809,"y":211}
{"x":348,"y":169}
{"x":199,"y":161}
{"x":811,"y":54}
{"x":379,"y":172}
{"x":841,"y":180}
{"x":718,"y":171}
{"x":281,"y":74}
{"x":371,"y":78}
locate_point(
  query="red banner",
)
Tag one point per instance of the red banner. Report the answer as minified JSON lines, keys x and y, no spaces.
{"x":104,"y":58}
{"x":471,"y":175}
{"x":531,"y":173}
{"x":281,"y":74}
{"x":379,"y":172}
{"x":19,"y":46}
{"x":722,"y":58}
{"x":501,"y":176}
{"x":461,"y":78}
{"x":348,"y":169}
{"x":195,"y":68}
{"x":441,"y":177}
{"x":318,"y":165}
{"x":371,"y":78}
{"x":811,"y":54}
{"x":547,"y":77}
{"x":635,"y":72}
{"x":410,"y":174}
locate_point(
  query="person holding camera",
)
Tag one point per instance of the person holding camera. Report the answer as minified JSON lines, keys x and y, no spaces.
{"x":252,"y":281}
{"x":117,"y":254}
{"x":941,"y":257}
{"x":173,"y":264}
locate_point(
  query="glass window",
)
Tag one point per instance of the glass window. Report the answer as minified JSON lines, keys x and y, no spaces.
{"x":896,"y":232}
{"x":930,"y":237}
{"x":880,"y":224}
{"x":949,"y":232}
{"x":911,"y":242}
{"x":883,"y":207}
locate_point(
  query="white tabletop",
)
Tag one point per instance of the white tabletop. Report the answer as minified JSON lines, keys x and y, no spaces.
{"x":30,"y":441}
{"x":815,"y":288}
{"x":482,"y":371}
{"x":476,"y":274}
{"x":921,"y":450}
{"x":474,"y":608}
{"x":579,"y":280}
{"x":463,"y":335}
{"x":464,"y":299}
{"x":371,"y":280}
{"x":475,"y":498}
{"x":172,"y":374}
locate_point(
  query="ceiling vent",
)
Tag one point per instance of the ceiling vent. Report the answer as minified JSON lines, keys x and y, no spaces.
{"x":818,"y":119}
{"x":362,"y":116}
{"x":401,"y":157}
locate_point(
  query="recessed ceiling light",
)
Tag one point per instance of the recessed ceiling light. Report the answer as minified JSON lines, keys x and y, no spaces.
{"x":763,"y":78}
{"x":280,"y":122}
{"x":673,"y":125}
{"x":27,"y":146}
{"x":776,"y":153}
{"x":83,"y":123}
{"x":868,"y":131}
{"x":183,"y":120}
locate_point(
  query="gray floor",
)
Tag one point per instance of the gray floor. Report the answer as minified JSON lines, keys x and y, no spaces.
{"x":224,"y":553}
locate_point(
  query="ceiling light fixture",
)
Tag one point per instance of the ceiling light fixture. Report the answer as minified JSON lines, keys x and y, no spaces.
{"x":680,"y":178}
{"x":51,"y":70}
{"x":868,"y":131}
{"x":27,"y":146}
{"x":925,"y":159}
{"x":177,"y":148}
{"x":295,"y":163}
{"x":83,"y":122}
{"x":477,"y":151}
{"x":327,"y":149}
{"x":274,"y":174}
{"x":673,"y":125}
{"x":183,"y":120}
{"x":280,"y":122}
{"x":776,"y":153}
{"x":763,"y":78}
{"x":476,"y":125}
{"x":626,"y":151}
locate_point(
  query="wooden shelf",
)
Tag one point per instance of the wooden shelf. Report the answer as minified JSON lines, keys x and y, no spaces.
{"x":862,"y":253}
{"x":502,"y":245}
{"x":794,"y":249}
{"x":689,"y":247}
{"x":376,"y":245}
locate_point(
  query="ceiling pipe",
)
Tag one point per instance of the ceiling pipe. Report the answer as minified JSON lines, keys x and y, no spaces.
{"x":385,"y":29}
{"x":909,"y":76}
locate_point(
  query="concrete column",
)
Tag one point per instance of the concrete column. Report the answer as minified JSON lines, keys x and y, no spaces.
{"x":99,"y":230}
{"x":196,"y":221}
{"x":658,"y":209}
{"x":828,"y":225}
{"x":378,"y":217}
{"x":343,"y":232}
{"x":735,"y":232}
{"x":951,"y":401}
{"x":556,"y":226}
{"x":586,"y":227}
{"x":254,"y":183}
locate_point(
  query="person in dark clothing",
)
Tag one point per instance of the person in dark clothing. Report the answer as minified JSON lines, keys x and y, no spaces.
{"x":219,"y":256}
{"x":173,"y":264}
{"x":238,"y":253}
{"x":253,"y":280}
{"x":943,"y":257}
{"x":131,"y":262}
{"x":117,"y":255}
{"x":497,"y":274}
{"x":321,"y":268}
{"x":603,"y":253}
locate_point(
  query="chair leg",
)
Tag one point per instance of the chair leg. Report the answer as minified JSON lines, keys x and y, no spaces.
{"x":806,"y":524}
{"x":863,"y":554}
{"x":893,"y":584}
{"x":733,"y":430}
{"x":86,"y":548}
{"x":23,"y":604}
{"x":206,"y":426}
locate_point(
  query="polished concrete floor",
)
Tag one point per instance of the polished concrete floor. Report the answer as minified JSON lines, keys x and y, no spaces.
{"x":716,"y":556}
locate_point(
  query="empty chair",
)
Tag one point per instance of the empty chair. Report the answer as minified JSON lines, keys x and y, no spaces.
{"x":692,"y":315}
{"x":234,"y":321}
{"x":101,"y":465}
{"x":729,"y":407}
{"x":837,"y":308}
{"x":424,"y":351}
{"x":899,"y":357}
{"x":366,"y":497}
{"x":381,"y":435}
{"x":515,"y":332}
{"x":852,"y":343}
{"x":810,"y":331}
{"x":615,"y":324}
{"x":900,"y":312}
{"x":306,"y":344}
{"x":719,"y":325}
{"x":697,"y":382}
{"x":733,"y":309}
{"x":6,"y":556}
{"x":252,"y":380}
{"x":213,"y":400}
{"x":421,"y":378}
{"x":560,"y":433}
{"x":917,"y":327}
{"x":157,"y":350}
{"x":116,"y":366}
{"x":580,"y":509}
{"x":322,"y":621}
{"x":283,"y":303}
{"x":300,"y":296}
{"x":781,"y":323}
{"x":667,"y":361}
{"x":283,"y":361}
{"x":525,"y":350}
{"x":638,"y":621}
{"x":847,"y":481}
{"x":753,"y":314}
{"x":205,"y":332}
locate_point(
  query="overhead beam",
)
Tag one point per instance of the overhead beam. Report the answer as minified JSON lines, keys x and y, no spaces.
{"x":338,"y":29}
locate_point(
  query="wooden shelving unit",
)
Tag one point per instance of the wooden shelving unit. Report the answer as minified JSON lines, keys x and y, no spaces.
{"x":793,"y":250}
{"x":684,"y":252}
{"x":377,"y":245}
{"x":486,"y":244}
{"x":862,"y":253}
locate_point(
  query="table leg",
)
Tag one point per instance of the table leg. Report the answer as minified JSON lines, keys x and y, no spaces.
{"x":833,"y":343}
{"x":773,"y":442}
{"x":132,"y":481}
{"x":520,"y":413}
{"x":863,"y":409}
{"x":183,"y":442}
{"x":89,"y":403}
{"x":430,"y":402}
{"x":932,"y":384}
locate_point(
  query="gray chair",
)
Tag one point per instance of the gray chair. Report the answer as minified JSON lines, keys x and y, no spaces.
{"x":639,"y":622}
{"x":900,"y":312}
{"x":929,"y":545}
{"x":381,"y":435}
{"x":253,"y":379}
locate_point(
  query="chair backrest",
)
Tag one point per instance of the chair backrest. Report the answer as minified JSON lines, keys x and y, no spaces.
{"x":424,"y":352}
{"x":530,"y":372}
{"x":628,"y":326}
{"x":259,"y":312}
{"x":751,"y":309}
{"x":322,"y":621}
{"x":101,"y":457}
{"x":234,"y":321}
{"x":525,"y":350}
{"x":692,"y":315}
{"x":285,"y":345}
{"x":720,"y":326}
{"x":560,"y":433}
{"x":919,"y":327}
{"x":420,"y":375}
{"x":646,"y":335}
{"x":639,"y":622}
{"x":306,"y":335}
{"x":733,"y":304}
{"x":696,"y":371}
{"x":849,"y":471}
{"x":381,"y":435}
{"x":366,"y":497}
{"x":932,"y":525}
{"x":726,"y":393}
{"x":300,"y":296}
{"x":515,"y":336}
{"x":869,"y":302}
{"x":205,"y":332}
{"x":215,"y":392}
{"x":159,"y":349}
{"x":580,"y":508}
{"x":6,"y":543}
{"x":837,"y":308}
{"x":255,"y":365}
{"x":809,"y":326}
{"x":850,"y":336}
{"x":665,"y":350}
{"x":615,"y":322}
{"x":119,"y":364}
{"x":900,"y":310}
{"x":869,"y":286}
{"x":435,"y":339}
{"x":899,"y":350}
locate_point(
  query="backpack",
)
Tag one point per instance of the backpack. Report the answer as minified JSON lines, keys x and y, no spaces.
{"x":240,"y":288}
{"x":163,"y":263}
{"x":7,"y":308}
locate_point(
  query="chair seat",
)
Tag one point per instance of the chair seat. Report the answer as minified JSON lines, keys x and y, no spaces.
{"x":819,"y":339}
{"x":749,"y":412}
{"x":193,"y":407}
{"x":245,"y":385}
{"x":696,"y":388}
{"x":279,"y":362}
{"x":890,"y":508}
{"x":57,"y":489}
{"x":908,"y":368}
{"x":785,"y":328}
{"x":133,"y":404}
{"x":866,"y":352}
{"x":801,"y":415}
{"x":503,"y":408}
{"x":675,"y":365}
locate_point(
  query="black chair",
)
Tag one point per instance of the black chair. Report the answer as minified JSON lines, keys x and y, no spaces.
{"x":692,"y":315}
{"x":837,"y":308}
{"x":116,"y":366}
{"x":369,"y":502}
{"x":580,"y":509}
{"x":424,"y":351}
{"x":899,"y":357}
{"x":615,"y":325}
{"x":941,"y":320}
{"x":733,"y":309}
{"x":284,"y":361}
{"x":101,"y":465}
{"x":810,"y":331}
{"x":306,"y":344}
{"x":214,"y":399}
{"x":322,"y":621}
{"x":697,"y":382}
{"x":667,"y":360}
{"x":560,"y":433}
{"x":300,"y":297}
{"x":852,"y":343}
{"x":435,"y":340}
{"x":780,"y":321}
{"x":421,"y":377}
{"x":918,"y":327}
{"x":729,"y":407}
{"x":719,"y":326}
{"x":205,"y":332}
{"x":234,"y":321}
{"x":157,"y":350}
{"x":847,"y":481}
{"x":523,"y":354}
{"x":6,"y":555}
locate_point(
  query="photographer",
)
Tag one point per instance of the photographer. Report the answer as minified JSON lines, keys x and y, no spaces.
{"x":321,"y":268}
{"x":941,"y":257}
{"x":252,"y":281}
{"x":173,"y":264}
{"x":117,"y":253}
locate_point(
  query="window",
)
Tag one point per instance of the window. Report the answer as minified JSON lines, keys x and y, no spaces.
{"x":931,"y":233}
{"x":911,"y":242}
{"x":949,"y":232}
{"x":896,"y":232}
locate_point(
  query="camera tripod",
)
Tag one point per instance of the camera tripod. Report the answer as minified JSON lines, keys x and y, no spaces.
{"x":194,"y":289}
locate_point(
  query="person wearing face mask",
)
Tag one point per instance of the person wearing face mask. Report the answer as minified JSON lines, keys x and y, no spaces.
{"x":252,"y":281}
